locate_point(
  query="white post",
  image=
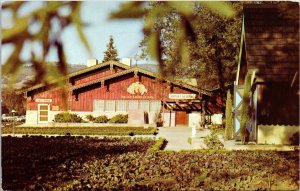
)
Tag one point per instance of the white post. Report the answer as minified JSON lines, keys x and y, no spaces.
{"x":13,"y":123}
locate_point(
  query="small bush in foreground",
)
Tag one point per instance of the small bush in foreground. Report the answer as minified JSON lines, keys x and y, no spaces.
{"x":66,"y":117}
{"x":101,"y":119}
{"x":120,"y":118}
{"x":212,"y":141}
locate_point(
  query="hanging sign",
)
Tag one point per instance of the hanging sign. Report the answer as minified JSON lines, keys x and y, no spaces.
{"x":182,"y":96}
{"x":55,"y":108}
{"x":43,"y":100}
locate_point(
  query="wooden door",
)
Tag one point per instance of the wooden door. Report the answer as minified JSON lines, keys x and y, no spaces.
{"x":43,"y":113}
{"x":181,"y":118}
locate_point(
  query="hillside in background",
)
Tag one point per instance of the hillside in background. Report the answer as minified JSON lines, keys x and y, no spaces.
{"x":27,"y":73}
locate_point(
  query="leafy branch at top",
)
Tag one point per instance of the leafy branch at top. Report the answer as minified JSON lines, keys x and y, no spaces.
{"x":46,"y":37}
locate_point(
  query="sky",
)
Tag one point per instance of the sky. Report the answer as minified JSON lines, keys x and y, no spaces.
{"x":127,"y":34}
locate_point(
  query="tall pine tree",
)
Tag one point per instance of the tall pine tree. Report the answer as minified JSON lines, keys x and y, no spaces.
{"x":111,"y":52}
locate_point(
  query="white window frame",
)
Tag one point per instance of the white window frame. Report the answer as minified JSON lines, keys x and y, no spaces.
{"x":142,"y":108}
{"x":97,"y":109}
{"x":155,"y":102}
{"x":112,"y":101}
{"x":117,"y":105}
{"x":136,"y":101}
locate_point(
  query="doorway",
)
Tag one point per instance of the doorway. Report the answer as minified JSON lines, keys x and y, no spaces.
{"x":181,"y":118}
{"x":43,"y":113}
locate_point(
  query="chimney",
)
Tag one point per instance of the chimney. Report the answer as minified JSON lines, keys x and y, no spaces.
{"x":92,"y":62}
{"x":126,"y":61}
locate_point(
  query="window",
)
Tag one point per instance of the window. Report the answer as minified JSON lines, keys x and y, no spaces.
{"x":98,"y":105}
{"x":121,"y":105}
{"x":110,"y":105}
{"x":155,"y":106}
{"x":144,"y":105}
{"x":133,"y":105}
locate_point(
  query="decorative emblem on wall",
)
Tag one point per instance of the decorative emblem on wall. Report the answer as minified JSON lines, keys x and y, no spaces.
{"x":137,"y":88}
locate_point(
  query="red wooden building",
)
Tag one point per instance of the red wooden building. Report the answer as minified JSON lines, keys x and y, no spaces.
{"x":111,"y":88}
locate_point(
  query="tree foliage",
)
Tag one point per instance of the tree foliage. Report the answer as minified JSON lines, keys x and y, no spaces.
{"x":10,"y":100}
{"x":228,"y":115}
{"x":111,"y":52}
{"x":51,"y":21}
{"x":245,"y":115}
{"x":192,"y":39}
{"x":48,"y":21}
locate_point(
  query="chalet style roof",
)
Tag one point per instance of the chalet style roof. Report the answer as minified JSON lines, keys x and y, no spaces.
{"x":80,"y":72}
{"x":139,"y":70}
{"x":271,"y":42}
{"x":88,"y":69}
{"x":127,"y":70}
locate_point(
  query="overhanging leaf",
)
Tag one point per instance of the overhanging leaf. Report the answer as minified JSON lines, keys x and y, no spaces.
{"x":184,"y":8}
{"x":13,"y":61}
{"x":154,"y":46}
{"x":78,"y":23}
{"x":129,"y":10}
{"x":19,"y":30}
{"x":221,"y":8}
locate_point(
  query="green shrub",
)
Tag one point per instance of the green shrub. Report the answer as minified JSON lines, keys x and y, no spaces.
{"x":90,"y":117}
{"x":245,"y":108}
{"x":103,"y":130}
{"x":120,"y":118}
{"x":190,"y":140}
{"x":158,"y":145}
{"x":66,"y":117}
{"x":228,"y":115}
{"x":101,"y":119}
{"x":212,"y":141}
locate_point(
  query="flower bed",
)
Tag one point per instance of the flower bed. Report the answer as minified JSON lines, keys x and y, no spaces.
{"x":76,"y":163}
{"x":103,"y":130}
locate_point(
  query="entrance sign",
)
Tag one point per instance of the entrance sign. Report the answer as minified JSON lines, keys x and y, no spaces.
{"x":43,"y":100}
{"x":182,"y":96}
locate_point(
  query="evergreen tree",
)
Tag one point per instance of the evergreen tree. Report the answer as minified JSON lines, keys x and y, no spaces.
{"x":245,"y":116}
{"x":111,"y":52}
{"x":229,"y":122}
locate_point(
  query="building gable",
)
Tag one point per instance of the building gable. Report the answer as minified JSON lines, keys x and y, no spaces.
{"x":271,"y":43}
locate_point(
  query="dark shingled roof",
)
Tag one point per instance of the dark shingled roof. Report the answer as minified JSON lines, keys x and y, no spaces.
{"x":272,"y":42}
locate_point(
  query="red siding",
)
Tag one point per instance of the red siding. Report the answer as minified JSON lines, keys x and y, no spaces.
{"x":54,"y":94}
{"x":96,"y":75}
{"x":117,"y":91}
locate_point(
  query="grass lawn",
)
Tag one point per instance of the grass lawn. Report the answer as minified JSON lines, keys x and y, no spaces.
{"x":109,"y":130}
{"x":78,"y":163}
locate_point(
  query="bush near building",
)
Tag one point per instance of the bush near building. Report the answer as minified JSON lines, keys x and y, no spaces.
{"x":229,"y":121}
{"x":105,"y":130}
{"x":67,"y":117}
{"x":90,"y":117}
{"x":120,"y":118}
{"x":101,"y":119}
{"x":245,"y":108}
